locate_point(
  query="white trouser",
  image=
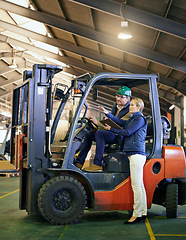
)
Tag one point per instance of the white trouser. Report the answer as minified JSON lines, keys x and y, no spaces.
{"x":137,"y":162}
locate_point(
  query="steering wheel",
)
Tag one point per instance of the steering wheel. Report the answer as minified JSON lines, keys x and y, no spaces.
{"x":90,"y":123}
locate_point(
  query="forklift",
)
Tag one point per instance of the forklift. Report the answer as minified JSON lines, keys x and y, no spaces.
{"x":56,"y":188}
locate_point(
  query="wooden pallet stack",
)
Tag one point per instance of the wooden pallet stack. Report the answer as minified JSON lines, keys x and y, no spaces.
{"x":8,"y":170}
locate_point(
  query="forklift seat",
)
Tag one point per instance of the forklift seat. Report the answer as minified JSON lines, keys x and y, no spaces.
{"x":116,"y":162}
{"x":112,"y":148}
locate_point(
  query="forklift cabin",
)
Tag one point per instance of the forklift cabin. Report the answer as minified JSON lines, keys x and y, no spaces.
{"x":59,"y":191}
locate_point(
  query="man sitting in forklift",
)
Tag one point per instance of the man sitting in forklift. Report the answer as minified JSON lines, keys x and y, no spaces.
{"x":102,"y":137}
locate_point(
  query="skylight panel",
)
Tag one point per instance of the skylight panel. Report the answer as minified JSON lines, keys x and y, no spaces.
{"x":23,"y":3}
{"x":35,"y":27}
{"x":46,"y":46}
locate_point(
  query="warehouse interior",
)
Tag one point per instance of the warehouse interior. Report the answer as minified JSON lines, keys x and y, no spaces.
{"x":81,"y":36}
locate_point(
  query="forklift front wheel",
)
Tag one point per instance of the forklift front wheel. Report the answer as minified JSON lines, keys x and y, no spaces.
{"x":62,"y":200}
{"x":171,"y":201}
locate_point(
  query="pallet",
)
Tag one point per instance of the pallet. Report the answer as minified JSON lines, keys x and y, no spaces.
{"x":6,"y":174}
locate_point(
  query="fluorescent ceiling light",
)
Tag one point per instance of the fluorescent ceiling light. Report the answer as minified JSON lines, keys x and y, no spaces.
{"x":124,"y":35}
{"x":125,"y":32}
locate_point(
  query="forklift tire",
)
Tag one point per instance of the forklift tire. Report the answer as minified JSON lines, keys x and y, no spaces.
{"x":62,"y":200}
{"x":171,"y":200}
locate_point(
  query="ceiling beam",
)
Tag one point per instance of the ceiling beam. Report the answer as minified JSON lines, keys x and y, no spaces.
{"x":143,"y":92}
{"x":171,"y":98}
{"x":85,"y":67}
{"x":95,"y":36}
{"x":76,"y":63}
{"x":4,"y":47}
{"x":10,"y":81}
{"x":5,"y":95}
{"x":157,"y":33}
{"x":101,"y":58}
{"x":6,"y":70}
{"x":137,"y":16}
{"x":4,"y":105}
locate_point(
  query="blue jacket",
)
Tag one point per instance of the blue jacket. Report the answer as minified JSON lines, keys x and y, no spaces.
{"x":134,"y":131}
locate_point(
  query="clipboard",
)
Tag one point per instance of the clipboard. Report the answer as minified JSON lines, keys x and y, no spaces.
{"x":110,"y":123}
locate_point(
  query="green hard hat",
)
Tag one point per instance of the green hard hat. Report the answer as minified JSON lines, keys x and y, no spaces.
{"x":124,"y":91}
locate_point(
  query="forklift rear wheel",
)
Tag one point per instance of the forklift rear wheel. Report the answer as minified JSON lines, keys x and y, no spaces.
{"x":171,"y":201}
{"x":62,"y":200}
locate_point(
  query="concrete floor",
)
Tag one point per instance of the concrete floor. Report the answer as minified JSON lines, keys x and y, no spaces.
{"x":16,"y":224}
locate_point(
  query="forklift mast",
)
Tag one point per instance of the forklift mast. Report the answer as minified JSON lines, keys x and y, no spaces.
{"x":30,"y":131}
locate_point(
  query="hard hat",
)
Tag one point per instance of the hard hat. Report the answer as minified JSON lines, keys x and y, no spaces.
{"x":124,"y":91}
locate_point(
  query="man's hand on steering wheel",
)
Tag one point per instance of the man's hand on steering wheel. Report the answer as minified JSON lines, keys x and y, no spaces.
{"x":94,"y":121}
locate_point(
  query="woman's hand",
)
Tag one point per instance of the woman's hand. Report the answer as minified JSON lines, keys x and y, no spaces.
{"x":93,"y":119}
{"x":107,"y":127}
{"x":103,"y":110}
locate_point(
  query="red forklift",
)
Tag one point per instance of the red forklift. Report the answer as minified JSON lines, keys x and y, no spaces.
{"x":50,"y":183}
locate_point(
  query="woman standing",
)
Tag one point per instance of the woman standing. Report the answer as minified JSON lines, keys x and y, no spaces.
{"x":134,"y":132}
